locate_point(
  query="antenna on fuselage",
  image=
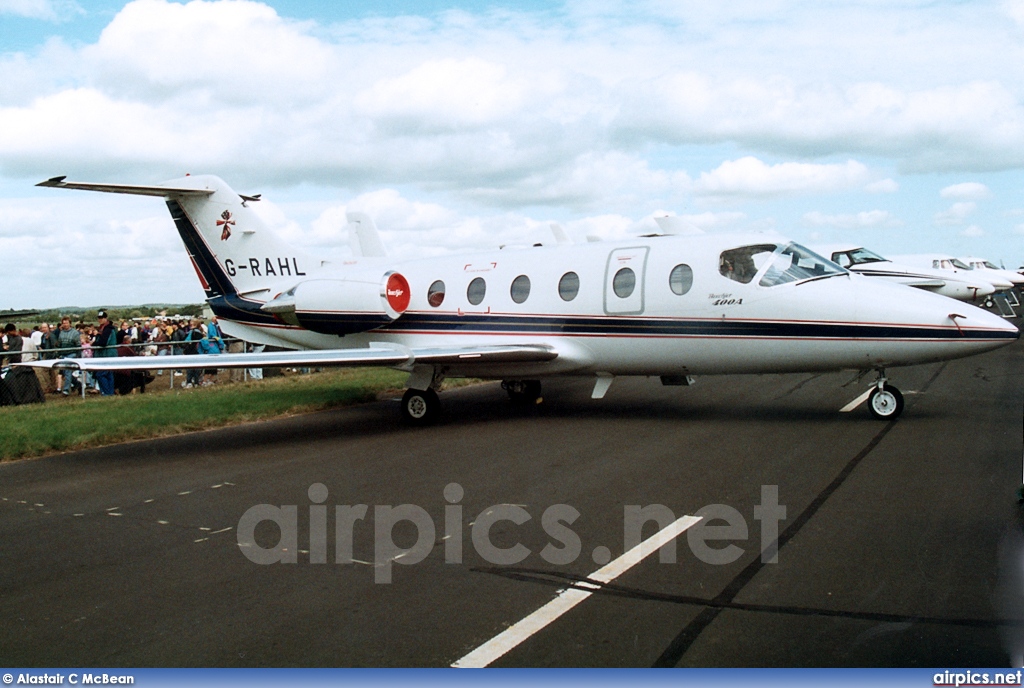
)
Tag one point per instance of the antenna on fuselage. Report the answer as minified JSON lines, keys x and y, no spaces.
{"x":561,"y":236}
{"x":673,"y":224}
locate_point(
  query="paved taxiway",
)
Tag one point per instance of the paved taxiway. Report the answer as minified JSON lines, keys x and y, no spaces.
{"x":902,"y":543}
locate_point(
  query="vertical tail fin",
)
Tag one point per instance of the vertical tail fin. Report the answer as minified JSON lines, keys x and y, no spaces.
{"x":231,"y":248}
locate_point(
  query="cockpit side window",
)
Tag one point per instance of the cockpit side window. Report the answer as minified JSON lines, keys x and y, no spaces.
{"x":794,"y":263}
{"x":947,"y":265}
{"x":842,"y":259}
{"x":741,"y":264}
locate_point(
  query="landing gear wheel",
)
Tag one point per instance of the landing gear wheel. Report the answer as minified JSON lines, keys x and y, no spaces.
{"x":885,"y":403}
{"x":522,"y":391}
{"x":420,"y":407}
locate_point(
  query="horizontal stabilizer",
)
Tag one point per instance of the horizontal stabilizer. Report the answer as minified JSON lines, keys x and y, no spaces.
{"x":378,"y":355}
{"x":132,"y":189}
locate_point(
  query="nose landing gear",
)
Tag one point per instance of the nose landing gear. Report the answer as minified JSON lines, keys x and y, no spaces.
{"x":885,"y":402}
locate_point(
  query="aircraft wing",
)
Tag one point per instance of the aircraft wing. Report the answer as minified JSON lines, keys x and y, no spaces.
{"x":925,"y":283}
{"x":377,"y":355}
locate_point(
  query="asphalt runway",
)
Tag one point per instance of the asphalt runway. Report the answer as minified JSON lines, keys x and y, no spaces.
{"x":902,"y":543}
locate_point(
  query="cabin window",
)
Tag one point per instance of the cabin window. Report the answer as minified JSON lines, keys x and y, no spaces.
{"x":520,"y":289}
{"x":680,"y":279}
{"x":476,"y":291}
{"x":435,"y":294}
{"x":624,"y":283}
{"x":569,"y":286}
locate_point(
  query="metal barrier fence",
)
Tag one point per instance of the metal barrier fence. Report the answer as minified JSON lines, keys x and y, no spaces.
{"x":169,"y":346}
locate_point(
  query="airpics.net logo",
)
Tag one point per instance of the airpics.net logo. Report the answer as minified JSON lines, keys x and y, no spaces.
{"x":712,"y":536}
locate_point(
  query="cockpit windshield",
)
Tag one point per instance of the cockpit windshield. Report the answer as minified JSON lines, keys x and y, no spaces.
{"x":959,"y":264}
{"x":777,"y":264}
{"x":857,"y":256}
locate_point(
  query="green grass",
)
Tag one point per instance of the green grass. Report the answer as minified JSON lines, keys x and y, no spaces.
{"x":67,"y":424}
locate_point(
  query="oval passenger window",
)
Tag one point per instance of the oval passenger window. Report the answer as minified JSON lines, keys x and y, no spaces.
{"x":624,"y":282}
{"x":569,"y":286}
{"x":476,"y":290}
{"x":435,"y":294}
{"x":680,"y":279}
{"x":520,"y":289}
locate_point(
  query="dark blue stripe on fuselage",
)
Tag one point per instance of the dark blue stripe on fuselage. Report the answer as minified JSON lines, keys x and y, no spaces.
{"x":639,"y":327}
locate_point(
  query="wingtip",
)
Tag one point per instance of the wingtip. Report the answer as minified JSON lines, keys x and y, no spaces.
{"x":53,"y":181}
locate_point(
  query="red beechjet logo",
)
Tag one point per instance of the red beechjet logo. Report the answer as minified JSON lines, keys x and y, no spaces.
{"x":225,"y":221}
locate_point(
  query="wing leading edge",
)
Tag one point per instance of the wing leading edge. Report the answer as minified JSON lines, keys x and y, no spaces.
{"x":377,"y":355}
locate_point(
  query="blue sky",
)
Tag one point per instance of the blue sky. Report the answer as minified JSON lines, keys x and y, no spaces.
{"x":461,"y":126}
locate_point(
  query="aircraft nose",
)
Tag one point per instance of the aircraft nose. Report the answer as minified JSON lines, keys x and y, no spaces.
{"x":982,"y":289}
{"x":975,"y":324}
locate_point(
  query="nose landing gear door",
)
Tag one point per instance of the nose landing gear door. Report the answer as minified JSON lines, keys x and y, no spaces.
{"x":624,"y":281}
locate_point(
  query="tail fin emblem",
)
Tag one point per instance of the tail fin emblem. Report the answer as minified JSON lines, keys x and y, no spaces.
{"x":226,"y":223}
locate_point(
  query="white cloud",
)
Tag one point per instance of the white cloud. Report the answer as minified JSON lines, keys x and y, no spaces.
{"x":883,"y":186}
{"x":751,"y":177}
{"x":712,"y":221}
{"x":957,"y":214}
{"x":868,"y":219}
{"x":972,"y":231}
{"x":968,"y":191}
{"x":456,"y":126}
{"x":47,"y":10}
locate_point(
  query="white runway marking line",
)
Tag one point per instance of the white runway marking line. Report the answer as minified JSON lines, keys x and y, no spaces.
{"x":568,"y":598}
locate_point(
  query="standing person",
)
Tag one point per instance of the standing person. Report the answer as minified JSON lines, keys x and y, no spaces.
{"x":193,"y":376}
{"x":12,"y":345}
{"x":179,"y":335}
{"x":70,"y":342}
{"x":90,"y":380}
{"x":160,"y":338}
{"x":208,"y":346}
{"x":105,"y":346}
{"x":29,"y":346}
{"x":256,"y":373}
{"x":47,"y":343}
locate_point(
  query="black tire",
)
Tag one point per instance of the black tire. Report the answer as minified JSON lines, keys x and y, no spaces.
{"x":886,"y":403}
{"x":420,"y":407}
{"x":522,"y":391}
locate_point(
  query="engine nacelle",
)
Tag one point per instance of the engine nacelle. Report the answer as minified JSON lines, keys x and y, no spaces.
{"x":343,"y":306}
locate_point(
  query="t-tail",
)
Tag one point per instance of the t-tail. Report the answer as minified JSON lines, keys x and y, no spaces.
{"x":232,"y":250}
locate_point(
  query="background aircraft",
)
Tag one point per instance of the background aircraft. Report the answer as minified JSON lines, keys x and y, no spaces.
{"x":963,"y":287}
{"x":663,"y":305}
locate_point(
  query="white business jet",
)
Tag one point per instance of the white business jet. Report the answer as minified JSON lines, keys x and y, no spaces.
{"x":984,"y":268}
{"x":951,"y":265}
{"x":660,"y":305}
{"x":968,"y":287}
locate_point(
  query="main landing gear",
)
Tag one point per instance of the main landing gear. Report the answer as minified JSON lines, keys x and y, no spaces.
{"x":522,"y":391}
{"x":885,"y":402}
{"x":420,"y":406}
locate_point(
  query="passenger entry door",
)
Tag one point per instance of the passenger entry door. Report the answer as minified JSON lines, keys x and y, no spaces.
{"x":624,"y":281}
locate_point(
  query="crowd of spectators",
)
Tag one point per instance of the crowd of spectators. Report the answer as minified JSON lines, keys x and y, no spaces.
{"x":154,"y":337}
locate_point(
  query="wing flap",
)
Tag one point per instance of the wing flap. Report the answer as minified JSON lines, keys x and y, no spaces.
{"x":378,"y":355}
